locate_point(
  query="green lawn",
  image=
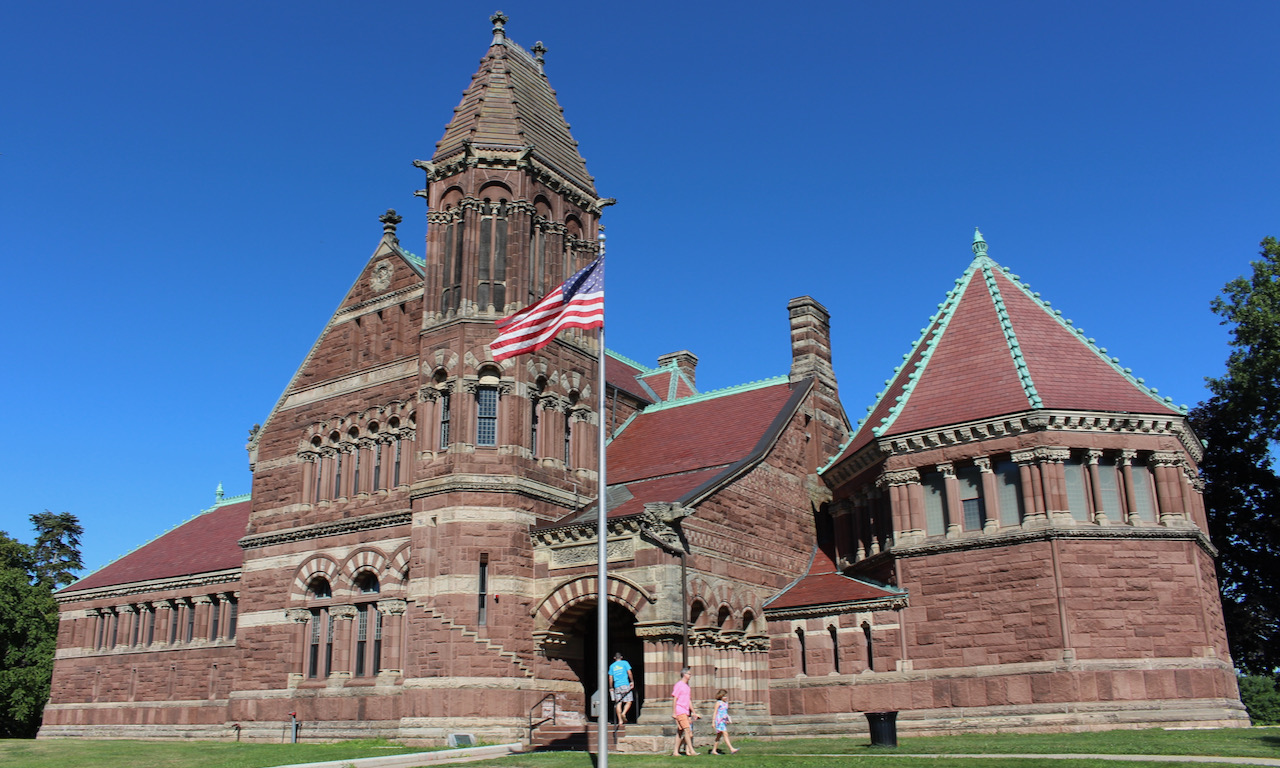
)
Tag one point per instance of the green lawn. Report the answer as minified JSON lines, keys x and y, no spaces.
{"x":793,"y":753}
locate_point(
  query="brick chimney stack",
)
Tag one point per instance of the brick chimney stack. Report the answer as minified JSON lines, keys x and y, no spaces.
{"x":811,"y":341}
{"x":685,"y":360}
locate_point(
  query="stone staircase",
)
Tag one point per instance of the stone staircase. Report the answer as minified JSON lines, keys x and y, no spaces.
{"x":580,"y":737}
{"x":477,"y":639}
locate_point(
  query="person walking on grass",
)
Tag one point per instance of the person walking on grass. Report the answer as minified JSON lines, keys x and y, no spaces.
{"x":721,"y":722}
{"x":621,"y":685}
{"x":682,"y":712}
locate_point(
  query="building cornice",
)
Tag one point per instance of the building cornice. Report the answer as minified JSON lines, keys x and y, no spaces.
{"x":322,"y":530}
{"x":476,"y":483}
{"x":174,"y":584}
{"x":1040,"y":420}
{"x":891,"y":603}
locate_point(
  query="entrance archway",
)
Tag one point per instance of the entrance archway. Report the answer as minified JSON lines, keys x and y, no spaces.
{"x":622,"y":639}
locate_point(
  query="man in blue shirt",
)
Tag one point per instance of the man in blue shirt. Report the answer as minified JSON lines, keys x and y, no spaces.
{"x":621,"y":684}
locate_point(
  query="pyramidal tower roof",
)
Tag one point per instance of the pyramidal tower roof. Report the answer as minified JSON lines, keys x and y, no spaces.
{"x":994,"y":347}
{"x":510,"y":105}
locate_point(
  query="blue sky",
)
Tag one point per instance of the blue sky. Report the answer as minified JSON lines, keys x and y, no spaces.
{"x":188,"y":190}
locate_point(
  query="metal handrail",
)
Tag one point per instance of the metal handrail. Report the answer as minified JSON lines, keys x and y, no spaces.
{"x":537,"y":708}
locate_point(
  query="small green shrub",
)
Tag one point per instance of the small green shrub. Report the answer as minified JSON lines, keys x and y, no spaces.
{"x":1261,"y":699}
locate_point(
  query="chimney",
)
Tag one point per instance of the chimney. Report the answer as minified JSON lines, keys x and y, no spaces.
{"x":685,"y":360}
{"x":811,"y":341}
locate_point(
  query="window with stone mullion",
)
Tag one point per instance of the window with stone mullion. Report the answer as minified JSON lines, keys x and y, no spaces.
{"x":487,"y":416}
{"x":452,"y":278}
{"x":492,"y":271}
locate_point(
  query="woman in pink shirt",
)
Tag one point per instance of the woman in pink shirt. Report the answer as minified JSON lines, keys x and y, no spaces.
{"x":682,"y":712}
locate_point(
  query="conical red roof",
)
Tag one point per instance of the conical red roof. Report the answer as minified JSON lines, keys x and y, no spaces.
{"x":511,"y":105}
{"x":996,"y":348}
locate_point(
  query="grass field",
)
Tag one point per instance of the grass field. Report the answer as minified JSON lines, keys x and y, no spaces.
{"x":794,"y":753}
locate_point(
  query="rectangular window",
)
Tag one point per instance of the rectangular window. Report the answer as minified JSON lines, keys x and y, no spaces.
{"x":313,"y":647}
{"x":970,"y":481}
{"x":482,"y":589}
{"x":319,"y":469}
{"x":1109,"y":485}
{"x":136,"y":631}
{"x":151,"y":624}
{"x":377,"y":640}
{"x":1142,"y":496}
{"x":1077,"y":500}
{"x":215,"y":613}
{"x":115,"y":628}
{"x":935,"y":523}
{"x":100,"y":632}
{"x":337,"y":479}
{"x":233,"y":609}
{"x":328,"y":644}
{"x":355,"y":482}
{"x":533,"y":429}
{"x":377,"y":467}
{"x":444,"y":421}
{"x":191,"y":622}
{"x":487,"y":416}
{"x":362,"y":637}
{"x":1009,"y":491}
{"x":395,"y":467}
{"x":568,"y":438}
{"x":173,"y":624}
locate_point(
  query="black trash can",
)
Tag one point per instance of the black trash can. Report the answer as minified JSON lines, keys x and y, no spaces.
{"x":884,"y":728}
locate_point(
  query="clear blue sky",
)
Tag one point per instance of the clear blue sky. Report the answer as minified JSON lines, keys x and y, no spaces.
{"x":187,"y":191}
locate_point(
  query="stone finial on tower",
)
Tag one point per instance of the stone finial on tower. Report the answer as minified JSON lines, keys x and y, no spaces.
{"x":218,"y":494}
{"x":979,"y":245}
{"x":499,"y":20}
{"x":539,"y":54}
{"x":389,"y":221}
{"x":810,"y":341}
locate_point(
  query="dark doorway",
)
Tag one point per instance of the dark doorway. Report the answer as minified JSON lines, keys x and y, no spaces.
{"x":622,"y":637}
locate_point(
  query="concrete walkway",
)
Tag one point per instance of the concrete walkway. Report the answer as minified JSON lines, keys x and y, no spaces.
{"x":415,"y":759}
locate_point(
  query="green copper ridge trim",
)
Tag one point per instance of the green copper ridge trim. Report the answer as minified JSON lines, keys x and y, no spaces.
{"x":418,"y":261}
{"x":717,"y":393}
{"x":929,"y":337}
{"x":628,"y":361}
{"x":1089,"y":341}
{"x":227,"y":501}
{"x":1010,"y":337}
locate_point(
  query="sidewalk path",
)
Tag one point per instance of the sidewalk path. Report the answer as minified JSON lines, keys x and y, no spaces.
{"x":1125,"y":758}
{"x":416,"y":759}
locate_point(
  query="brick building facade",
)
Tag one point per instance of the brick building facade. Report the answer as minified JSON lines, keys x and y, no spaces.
{"x":1014,"y":537}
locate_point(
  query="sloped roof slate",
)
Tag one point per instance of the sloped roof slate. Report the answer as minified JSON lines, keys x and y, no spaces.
{"x":823,"y":584}
{"x":207,"y":542}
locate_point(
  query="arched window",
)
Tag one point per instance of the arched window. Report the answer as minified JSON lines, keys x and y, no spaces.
{"x":722,"y":618}
{"x":487,"y":409}
{"x":491,"y":291}
{"x":319,"y":588}
{"x":368,"y":651}
{"x":696,"y":612}
{"x":748,"y":618}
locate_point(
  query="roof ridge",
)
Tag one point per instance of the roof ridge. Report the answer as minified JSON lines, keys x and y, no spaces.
{"x":623,"y":358}
{"x":1088,"y":341}
{"x":938,"y":323}
{"x":712,"y":394}
{"x":1010,"y":336}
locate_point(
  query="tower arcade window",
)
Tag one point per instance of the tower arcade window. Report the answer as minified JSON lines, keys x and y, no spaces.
{"x":452,"y":294}
{"x":492,"y":267}
{"x":487,"y":416}
{"x":444,"y":421}
{"x":368,"y":650}
{"x":972,"y":508}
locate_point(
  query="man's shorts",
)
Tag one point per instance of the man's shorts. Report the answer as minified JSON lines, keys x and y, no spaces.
{"x":682,"y":722}
{"x":621,"y":693}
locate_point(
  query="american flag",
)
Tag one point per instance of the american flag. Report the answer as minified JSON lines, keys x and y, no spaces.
{"x":578,"y":303}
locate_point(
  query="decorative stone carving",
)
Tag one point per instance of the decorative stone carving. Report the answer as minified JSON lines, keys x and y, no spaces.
{"x":298,"y":615}
{"x":581,"y":554}
{"x":658,"y":524}
{"x":380,"y":277}
{"x":344,"y":612}
{"x":983,"y":463}
{"x":947,"y":470}
{"x":393,"y":607}
{"x":899,"y":477}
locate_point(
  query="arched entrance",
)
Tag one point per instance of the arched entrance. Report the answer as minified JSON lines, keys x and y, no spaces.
{"x":622,"y":639}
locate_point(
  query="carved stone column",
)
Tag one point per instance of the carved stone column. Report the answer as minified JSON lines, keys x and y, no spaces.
{"x":951,"y":514}
{"x":1033,"y":513}
{"x":343,"y":642}
{"x":1054,"y":478}
{"x":901,"y":512}
{"x":392,"y":611}
{"x":1166,"y":466}
{"x":202,"y":609}
{"x":129,"y":618}
{"x":1091,"y":459}
{"x":1126,"y":474}
{"x":309,"y":468}
{"x":990,"y":495}
{"x":301,"y":617}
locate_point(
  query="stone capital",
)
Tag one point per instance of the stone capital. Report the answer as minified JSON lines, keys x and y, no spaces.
{"x":947,"y":469}
{"x":1092,"y":456}
{"x":1164,"y":459}
{"x":983,"y":463}
{"x":392,"y":607}
{"x":298,"y":615}
{"x":899,"y":477}
{"x":344,"y":612}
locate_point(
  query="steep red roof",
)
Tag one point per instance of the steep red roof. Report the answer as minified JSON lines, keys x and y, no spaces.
{"x":622,"y":374}
{"x":823,"y":584}
{"x":993,"y":349}
{"x":704,"y":432}
{"x":202,"y":544}
{"x":672,"y":450}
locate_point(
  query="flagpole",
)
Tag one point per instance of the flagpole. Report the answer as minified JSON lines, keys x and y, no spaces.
{"x":602,"y":556}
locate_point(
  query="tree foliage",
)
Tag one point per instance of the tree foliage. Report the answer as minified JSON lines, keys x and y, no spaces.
{"x":29,"y":616}
{"x":1240,"y":424}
